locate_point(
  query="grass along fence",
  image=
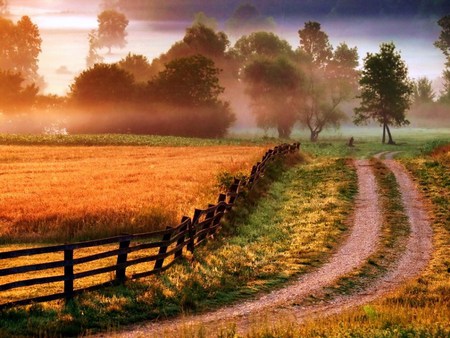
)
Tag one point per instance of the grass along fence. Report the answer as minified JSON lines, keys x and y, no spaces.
{"x":76,"y":267}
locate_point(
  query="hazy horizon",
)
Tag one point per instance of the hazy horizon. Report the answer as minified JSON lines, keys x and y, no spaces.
{"x":64,"y":28}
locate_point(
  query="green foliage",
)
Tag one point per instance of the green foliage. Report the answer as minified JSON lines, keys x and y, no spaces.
{"x":261,"y":44}
{"x":138,"y":66}
{"x":385,"y":89}
{"x":273,"y":85}
{"x":205,"y":41}
{"x":443,"y":43}
{"x":314,"y":42}
{"x":101,"y":84}
{"x":331,"y":78}
{"x":422,"y":91}
{"x":191,"y":81}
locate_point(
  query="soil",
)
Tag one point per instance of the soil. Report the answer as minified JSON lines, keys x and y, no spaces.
{"x":283,"y":305}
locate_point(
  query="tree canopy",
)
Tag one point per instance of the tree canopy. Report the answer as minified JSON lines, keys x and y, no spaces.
{"x":385,"y":90}
{"x":443,"y":43}
{"x":191,"y":81}
{"x":103,"y":83}
{"x":314,"y":42}
{"x":273,"y":86}
{"x":111,"y":29}
{"x":331,"y":79}
{"x":138,"y":66}
{"x":20,"y":47}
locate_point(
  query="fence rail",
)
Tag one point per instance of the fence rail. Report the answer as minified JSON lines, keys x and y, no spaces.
{"x":168,"y":246}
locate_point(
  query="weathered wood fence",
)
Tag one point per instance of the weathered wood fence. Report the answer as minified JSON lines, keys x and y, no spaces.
{"x":154,"y":252}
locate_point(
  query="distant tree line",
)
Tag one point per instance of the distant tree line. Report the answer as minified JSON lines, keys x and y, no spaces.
{"x":189,"y":89}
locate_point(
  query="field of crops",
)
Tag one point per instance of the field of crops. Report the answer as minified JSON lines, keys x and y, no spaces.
{"x":70,"y":193}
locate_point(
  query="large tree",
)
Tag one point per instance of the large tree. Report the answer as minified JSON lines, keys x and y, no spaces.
{"x":271,"y":78}
{"x":112,"y":29}
{"x":191,"y":85}
{"x":331,"y":79}
{"x":443,"y":43}
{"x":102,"y":84}
{"x":385,"y":90}
{"x":20,"y":47}
{"x":274,"y":86}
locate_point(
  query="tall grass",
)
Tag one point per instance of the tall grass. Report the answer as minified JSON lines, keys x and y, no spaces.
{"x":264,"y":245}
{"x":75,"y":193}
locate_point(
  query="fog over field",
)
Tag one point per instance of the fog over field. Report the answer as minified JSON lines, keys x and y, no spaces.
{"x":64,"y":27}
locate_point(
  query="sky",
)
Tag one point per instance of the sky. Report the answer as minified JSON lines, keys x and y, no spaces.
{"x":64,"y":27}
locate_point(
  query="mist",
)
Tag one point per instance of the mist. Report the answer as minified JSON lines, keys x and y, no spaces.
{"x":64,"y":28}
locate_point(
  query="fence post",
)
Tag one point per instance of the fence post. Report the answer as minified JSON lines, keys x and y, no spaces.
{"x":122,"y":259}
{"x":191,"y":245}
{"x":180,"y":241}
{"x":163,"y":249}
{"x":68,"y":274}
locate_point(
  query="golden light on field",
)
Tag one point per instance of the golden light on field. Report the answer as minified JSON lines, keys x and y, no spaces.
{"x":62,"y":193}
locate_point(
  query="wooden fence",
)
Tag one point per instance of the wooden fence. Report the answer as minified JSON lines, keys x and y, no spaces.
{"x":141,"y":254}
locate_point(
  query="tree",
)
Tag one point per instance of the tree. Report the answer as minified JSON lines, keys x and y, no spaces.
{"x":201,"y":18}
{"x":314,"y":42}
{"x":93,"y":55}
{"x":138,"y":66}
{"x":422,"y":91}
{"x":20,"y":48}
{"x":385,"y":90}
{"x":443,"y":43}
{"x":14,"y":95}
{"x":205,"y":41}
{"x":331,"y":79}
{"x":191,"y":81}
{"x":261,"y":44}
{"x":192,"y":84}
{"x":111,"y":29}
{"x":247,"y":18}
{"x":103,"y":83}
{"x":273,"y":86}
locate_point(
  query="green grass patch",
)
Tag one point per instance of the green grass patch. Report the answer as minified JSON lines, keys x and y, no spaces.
{"x":124,"y":140}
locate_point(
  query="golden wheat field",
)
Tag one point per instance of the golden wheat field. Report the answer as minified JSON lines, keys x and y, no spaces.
{"x":65,"y":193}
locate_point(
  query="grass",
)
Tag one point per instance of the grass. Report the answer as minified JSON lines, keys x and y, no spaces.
{"x":128,"y":140}
{"x":233,"y":267}
{"x":263,"y":247}
{"x":419,"y":309}
{"x":62,"y":194}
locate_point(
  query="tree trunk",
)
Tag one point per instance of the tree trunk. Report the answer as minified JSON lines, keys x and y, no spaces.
{"x":283,"y":132}
{"x":391,"y":141}
{"x":314,"y":136}
{"x":384,"y":133}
